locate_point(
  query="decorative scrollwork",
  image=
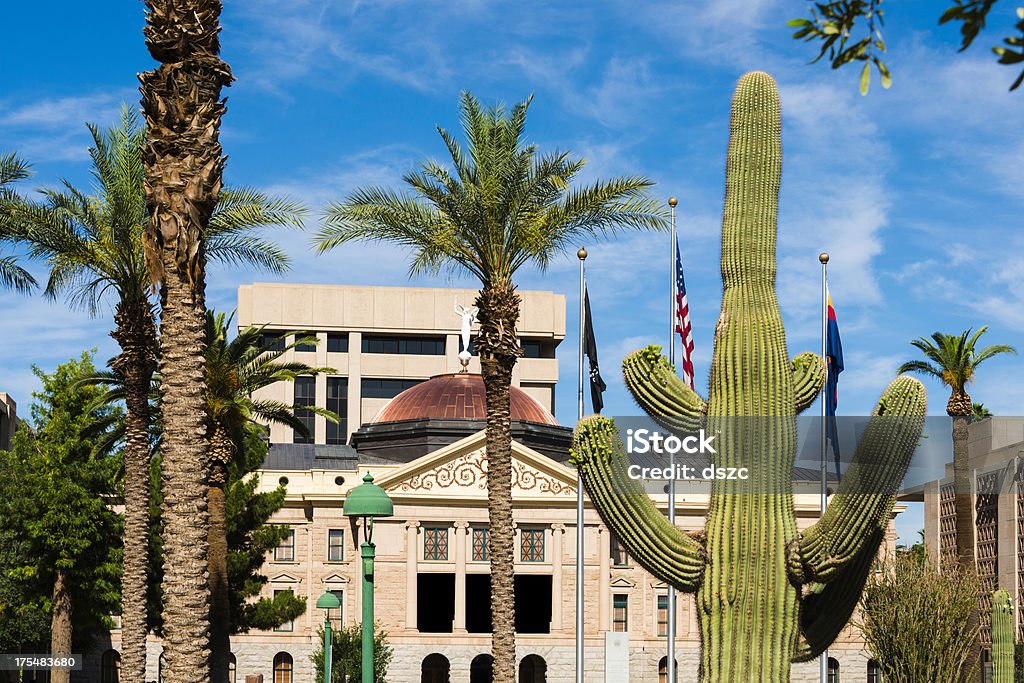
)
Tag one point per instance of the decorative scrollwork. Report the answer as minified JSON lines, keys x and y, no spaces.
{"x":470,"y":470}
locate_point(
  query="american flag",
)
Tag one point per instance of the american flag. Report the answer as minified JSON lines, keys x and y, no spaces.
{"x":683,"y":321}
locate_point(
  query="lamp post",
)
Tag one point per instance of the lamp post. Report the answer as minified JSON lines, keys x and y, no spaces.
{"x":368,"y":501}
{"x":328,"y":601}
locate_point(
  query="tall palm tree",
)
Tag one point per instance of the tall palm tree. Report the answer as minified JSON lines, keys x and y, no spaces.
{"x":953,"y":360}
{"x":12,"y":276}
{"x":235,"y":370}
{"x":504,"y":206}
{"x":184,"y":167}
{"x":92,"y":244}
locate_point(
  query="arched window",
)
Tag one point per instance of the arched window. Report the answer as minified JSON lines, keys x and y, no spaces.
{"x":833,"y":670}
{"x":481,"y":670}
{"x":434,"y":669}
{"x":533,"y":669}
{"x":282,"y":668}
{"x":110,"y":667}
{"x":663,"y":670}
{"x":874,"y":672}
{"x":232,"y":666}
{"x":161,"y":664}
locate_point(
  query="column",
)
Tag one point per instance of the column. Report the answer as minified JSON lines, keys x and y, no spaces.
{"x":355,"y":380}
{"x":460,"y":576}
{"x":411,"y":556}
{"x":604,"y":549}
{"x":557,"y":562}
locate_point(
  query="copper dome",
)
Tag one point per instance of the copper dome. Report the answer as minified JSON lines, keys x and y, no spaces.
{"x":458,"y":396}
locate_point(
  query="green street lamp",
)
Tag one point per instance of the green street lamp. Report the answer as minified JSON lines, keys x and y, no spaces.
{"x":368,"y":501}
{"x":328,"y":601}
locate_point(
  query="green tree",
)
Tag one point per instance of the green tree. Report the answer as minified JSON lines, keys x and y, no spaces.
{"x":953,"y":360}
{"x":915,"y":621}
{"x":979,"y":412}
{"x":12,"y":276}
{"x":504,"y":206}
{"x":92,"y":244}
{"x":235,"y":370}
{"x":835,"y":25}
{"x":347,"y":655}
{"x":54,"y":498}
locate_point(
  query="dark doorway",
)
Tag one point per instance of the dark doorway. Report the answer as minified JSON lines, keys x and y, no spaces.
{"x":533,"y":669}
{"x":434,"y":669}
{"x":435,"y":603}
{"x":481,"y":670}
{"x":478,"y":603}
{"x":533,"y":603}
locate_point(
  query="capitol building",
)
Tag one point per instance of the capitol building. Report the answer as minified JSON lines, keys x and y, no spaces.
{"x":414,"y":421}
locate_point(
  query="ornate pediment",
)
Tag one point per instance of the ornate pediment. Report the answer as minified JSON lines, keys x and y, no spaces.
{"x":285,"y":578}
{"x":461,"y":470}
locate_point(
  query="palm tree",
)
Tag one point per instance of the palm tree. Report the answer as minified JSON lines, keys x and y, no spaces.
{"x":92,"y":244}
{"x":504,"y":207}
{"x":235,"y":370}
{"x":979,"y":412}
{"x":953,"y":360}
{"x":12,"y":276}
{"x":184,"y":168}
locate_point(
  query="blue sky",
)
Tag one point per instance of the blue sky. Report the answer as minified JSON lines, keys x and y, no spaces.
{"x":915,"y":191}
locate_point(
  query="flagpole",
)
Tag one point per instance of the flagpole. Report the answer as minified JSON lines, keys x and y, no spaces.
{"x":582,"y":254}
{"x":823,"y":258}
{"x":671,"y":661}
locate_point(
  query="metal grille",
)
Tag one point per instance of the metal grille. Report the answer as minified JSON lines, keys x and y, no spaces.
{"x":986,"y":514}
{"x":435,"y":543}
{"x":532,"y":548}
{"x":947,"y":525}
{"x":479,"y":545}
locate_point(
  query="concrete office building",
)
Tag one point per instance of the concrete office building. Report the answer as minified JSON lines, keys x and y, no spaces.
{"x":8,"y":420}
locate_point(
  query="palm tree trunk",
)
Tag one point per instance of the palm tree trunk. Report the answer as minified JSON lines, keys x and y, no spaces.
{"x":184,"y":166}
{"x":221,"y":453}
{"x":960,"y":409}
{"x":60,"y":624}
{"x":135,"y":332}
{"x":499,"y":348}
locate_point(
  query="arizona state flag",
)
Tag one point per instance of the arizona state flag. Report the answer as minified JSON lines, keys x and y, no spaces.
{"x":597,"y":385}
{"x":834,"y":359}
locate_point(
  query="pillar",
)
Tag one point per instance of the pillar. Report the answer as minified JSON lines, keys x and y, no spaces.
{"x":557,"y":562}
{"x":411,"y":557}
{"x":461,"y":528}
{"x":604,"y":550}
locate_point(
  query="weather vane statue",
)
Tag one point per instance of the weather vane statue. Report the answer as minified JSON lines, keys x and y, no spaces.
{"x":468,"y":316}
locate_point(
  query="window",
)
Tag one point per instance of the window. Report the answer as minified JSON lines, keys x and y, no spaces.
{"x":538,"y":348}
{"x":282,"y":668}
{"x":618,"y":553}
{"x":338,"y":614}
{"x":435,"y":543}
{"x":337,"y":342}
{"x":232,"y":669}
{"x":285,"y":551}
{"x":531,"y":547}
{"x":337,"y":403}
{"x":620,"y":613}
{"x":385,"y":388}
{"x":309,"y":346}
{"x":273,"y":341}
{"x":419,"y":346}
{"x":663,"y":670}
{"x":663,"y":615}
{"x":110,"y":667}
{"x":480,"y":544}
{"x":833,"y":670}
{"x":305,"y":395}
{"x":874,"y":672}
{"x":289,"y":626}
{"x":336,"y":545}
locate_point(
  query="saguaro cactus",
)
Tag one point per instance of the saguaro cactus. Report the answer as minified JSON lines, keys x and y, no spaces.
{"x":766,"y":595}
{"x":1002,"y":637}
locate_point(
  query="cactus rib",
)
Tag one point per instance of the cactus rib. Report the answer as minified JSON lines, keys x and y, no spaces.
{"x":1002,"y":637}
{"x":808,"y":379}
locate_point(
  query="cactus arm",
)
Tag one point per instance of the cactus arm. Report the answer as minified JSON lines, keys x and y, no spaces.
{"x":665,"y":551}
{"x":867,"y":494}
{"x":808,"y":379}
{"x":824,"y":613}
{"x":1002,"y":637}
{"x":659,"y":391}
